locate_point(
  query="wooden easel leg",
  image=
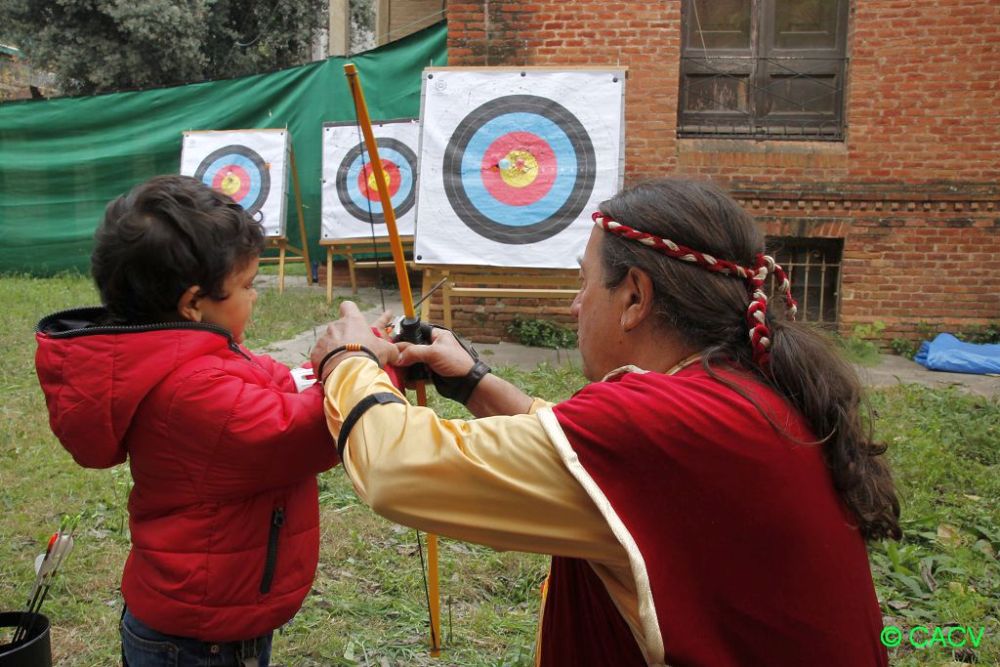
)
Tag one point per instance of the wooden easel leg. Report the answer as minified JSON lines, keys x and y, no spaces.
{"x":281,"y":267}
{"x":446,"y":301}
{"x":425,"y":307}
{"x":329,"y":275}
{"x":298,"y":211}
{"x":350,"y":269}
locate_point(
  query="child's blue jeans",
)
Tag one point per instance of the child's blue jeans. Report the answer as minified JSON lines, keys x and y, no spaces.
{"x":144,"y":647}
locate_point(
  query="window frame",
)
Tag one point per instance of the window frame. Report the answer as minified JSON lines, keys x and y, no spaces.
{"x":762,"y":65}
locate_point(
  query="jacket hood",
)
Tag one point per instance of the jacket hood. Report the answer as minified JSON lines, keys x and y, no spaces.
{"x":95,"y":376}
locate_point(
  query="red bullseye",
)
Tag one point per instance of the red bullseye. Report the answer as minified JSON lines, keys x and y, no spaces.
{"x":232,"y":180}
{"x":519,"y":168}
{"x":366,"y":180}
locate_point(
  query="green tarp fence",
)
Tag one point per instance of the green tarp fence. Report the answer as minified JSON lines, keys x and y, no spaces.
{"x":62,"y":160}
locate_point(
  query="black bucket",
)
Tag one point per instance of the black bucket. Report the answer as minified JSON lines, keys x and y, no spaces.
{"x":35,"y":651}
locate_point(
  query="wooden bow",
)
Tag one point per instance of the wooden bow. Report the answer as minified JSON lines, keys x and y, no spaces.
{"x":433,"y":596}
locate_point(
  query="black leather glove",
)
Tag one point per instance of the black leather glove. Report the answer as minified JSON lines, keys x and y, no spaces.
{"x":460,"y":388}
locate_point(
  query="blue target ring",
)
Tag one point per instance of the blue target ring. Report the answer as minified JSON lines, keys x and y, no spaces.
{"x":243,"y":164}
{"x":569,"y":155}
{"x":403,"y":171}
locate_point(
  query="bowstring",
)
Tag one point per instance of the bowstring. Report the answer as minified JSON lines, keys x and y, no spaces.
{"x":378,"y":270}
{"x":371,"y":216}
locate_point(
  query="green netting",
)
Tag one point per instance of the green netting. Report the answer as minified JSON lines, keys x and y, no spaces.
{"x":62,"y":160}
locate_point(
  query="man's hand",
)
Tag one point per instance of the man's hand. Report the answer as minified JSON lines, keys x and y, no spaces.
{"x":352,"y":328}
{"x":445,"y":356}
{"x":447,"y":359}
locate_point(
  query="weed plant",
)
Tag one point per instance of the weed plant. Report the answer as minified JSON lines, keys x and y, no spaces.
{"x":542,"y":333}
{"x":861,"y":347}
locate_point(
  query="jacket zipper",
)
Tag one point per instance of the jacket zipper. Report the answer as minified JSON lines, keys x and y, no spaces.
{"x":277,"y":521}
{"x":234,"y":346}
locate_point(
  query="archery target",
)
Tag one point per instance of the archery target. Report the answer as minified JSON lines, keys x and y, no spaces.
{"x":247,"y":165}
{"x":352,"y":207}
{"x":512,"y":164}
{"x":356,"y":186}
{"x":239,"y":172}
{"x":519,"y":169}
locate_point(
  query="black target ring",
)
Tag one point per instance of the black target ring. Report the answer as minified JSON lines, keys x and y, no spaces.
{"x":250,"y":162}
{"x":473,"y":216}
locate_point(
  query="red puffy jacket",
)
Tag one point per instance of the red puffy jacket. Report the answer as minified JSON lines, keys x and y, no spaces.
{"x":224,"y":454}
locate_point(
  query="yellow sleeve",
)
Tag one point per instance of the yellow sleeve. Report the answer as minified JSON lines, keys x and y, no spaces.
{"x":496,"y":481}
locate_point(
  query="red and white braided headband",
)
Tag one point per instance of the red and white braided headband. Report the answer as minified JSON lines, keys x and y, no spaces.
{"x":760,"y":333}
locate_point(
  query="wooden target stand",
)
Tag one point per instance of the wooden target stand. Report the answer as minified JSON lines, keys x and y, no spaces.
{"x":462,"y":281}
{"x":496,"y":282}
{"x":360,"y":246}
{"x":280,"y":243}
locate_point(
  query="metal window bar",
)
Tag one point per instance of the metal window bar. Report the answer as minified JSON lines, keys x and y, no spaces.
{"x":806,"y":260}
{"x":696,"y":123}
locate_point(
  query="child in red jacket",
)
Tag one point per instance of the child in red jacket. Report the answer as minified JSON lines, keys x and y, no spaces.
{"x":223,"y":450}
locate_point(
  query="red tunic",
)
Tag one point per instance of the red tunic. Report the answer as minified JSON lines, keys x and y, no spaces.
{"x":741,"y":550}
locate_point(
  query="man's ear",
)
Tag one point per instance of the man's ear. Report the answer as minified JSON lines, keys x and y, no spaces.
{"x":187,"y":305}
{"x":638,"y":293}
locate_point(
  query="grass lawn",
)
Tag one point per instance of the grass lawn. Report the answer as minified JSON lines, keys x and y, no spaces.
{"x":367,"y":606}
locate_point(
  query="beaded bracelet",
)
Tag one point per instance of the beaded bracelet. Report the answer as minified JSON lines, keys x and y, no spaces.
{"x":349,"y":347}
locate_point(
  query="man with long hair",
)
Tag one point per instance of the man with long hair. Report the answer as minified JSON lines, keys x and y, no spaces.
{"x":706,"y":498}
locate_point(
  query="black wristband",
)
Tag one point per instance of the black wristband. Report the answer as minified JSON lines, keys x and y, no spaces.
{"x":461,"y":388}
{"x":350,"y":347}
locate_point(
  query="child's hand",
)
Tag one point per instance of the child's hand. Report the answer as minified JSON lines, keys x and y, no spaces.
{"x":352,"y":328}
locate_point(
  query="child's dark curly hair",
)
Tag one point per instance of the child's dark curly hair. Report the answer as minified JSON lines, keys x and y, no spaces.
{"x":164,"y":236}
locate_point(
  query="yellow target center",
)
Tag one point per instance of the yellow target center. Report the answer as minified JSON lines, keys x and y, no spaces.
{"x":373,"y":185}
{"x":519,"y":169}
{"x":230,"y":184}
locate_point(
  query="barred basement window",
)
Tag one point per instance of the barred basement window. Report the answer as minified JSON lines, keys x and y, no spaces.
{"x":813,"y":266}
{"x":763,"y":69}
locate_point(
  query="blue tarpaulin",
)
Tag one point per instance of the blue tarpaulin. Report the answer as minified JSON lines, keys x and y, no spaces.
{"x":947,"y":353}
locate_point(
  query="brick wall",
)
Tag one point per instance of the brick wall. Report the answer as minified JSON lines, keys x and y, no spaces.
{"x":14,"y":78}
{"x":913,"y":190}
{"x":17,"y":76}
{"x":915,"y":260}
{"x":489,"y":320}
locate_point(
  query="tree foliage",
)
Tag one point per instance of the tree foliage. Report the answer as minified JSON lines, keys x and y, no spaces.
{"x":362,"y":14}
{"x":95,"y":46}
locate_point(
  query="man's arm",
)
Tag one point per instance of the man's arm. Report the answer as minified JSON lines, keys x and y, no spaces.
{"x":495,"y":396}
{"x":497,"y":481}
{"x":445,"y":356}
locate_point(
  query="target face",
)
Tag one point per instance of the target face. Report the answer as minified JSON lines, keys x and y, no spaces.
{"x":239,"y":172}
{"x":247,"y":165}
{"x":356,"y":186}
{"x":352,"y":208}
{"x":513,"y":161}
{"x":519,"y":169}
